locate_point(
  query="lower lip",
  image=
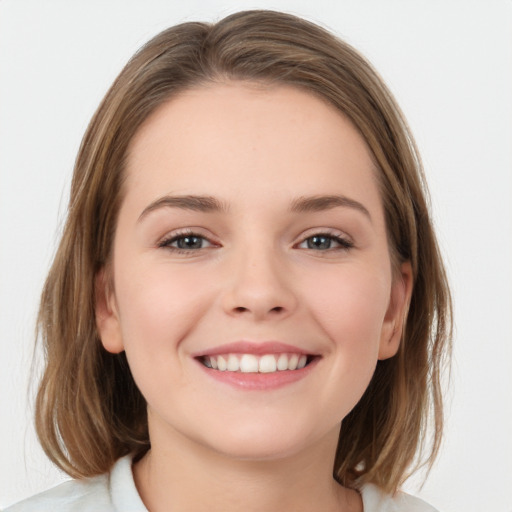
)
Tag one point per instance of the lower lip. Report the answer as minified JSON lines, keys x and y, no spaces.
{"x":259,"y":381}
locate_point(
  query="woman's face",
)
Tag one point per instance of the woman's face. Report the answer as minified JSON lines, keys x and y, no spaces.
{"x":251,"y":241}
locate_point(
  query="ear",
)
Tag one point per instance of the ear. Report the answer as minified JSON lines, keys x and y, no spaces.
{"x":107,"y":317}
{"x":396,"y":315}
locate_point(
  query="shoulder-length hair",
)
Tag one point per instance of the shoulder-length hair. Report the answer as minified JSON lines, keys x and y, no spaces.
{"x":89,"y":411}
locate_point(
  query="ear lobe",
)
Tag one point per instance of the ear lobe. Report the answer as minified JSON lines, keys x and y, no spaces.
{"x":396,"y":315}
{"x":107,"y":318}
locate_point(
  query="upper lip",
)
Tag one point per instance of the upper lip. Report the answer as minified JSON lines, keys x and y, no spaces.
{"x":251,"y":347}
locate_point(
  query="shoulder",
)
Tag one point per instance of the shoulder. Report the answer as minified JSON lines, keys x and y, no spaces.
{"x":110,"y":492}
{"x":74,"y":495}
{"x":374,"y":500}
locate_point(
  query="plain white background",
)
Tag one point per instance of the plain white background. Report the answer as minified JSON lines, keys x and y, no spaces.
{"x":450,"y":65}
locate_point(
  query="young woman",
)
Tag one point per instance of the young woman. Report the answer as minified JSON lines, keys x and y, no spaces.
{"x":247,"y":310}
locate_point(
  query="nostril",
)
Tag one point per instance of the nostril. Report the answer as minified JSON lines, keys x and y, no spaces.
{"x":242,"y":309}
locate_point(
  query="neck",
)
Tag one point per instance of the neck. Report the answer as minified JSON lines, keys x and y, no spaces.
{"x":185,"y":475}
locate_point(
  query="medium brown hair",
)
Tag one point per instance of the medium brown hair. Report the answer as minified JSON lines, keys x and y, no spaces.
{"x":89,"y":411}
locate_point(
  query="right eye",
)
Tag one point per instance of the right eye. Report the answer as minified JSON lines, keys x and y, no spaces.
{"x":185,"y":242}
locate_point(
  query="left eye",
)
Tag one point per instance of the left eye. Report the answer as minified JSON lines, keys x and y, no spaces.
{"x":323,"y":242}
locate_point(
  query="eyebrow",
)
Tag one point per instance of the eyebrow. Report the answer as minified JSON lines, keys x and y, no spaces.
{"x":320,"y":203}
{"x":210,"y":204}
{"x":188,"y":202}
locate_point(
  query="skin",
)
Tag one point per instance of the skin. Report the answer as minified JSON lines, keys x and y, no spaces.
{"x":252,"y":276}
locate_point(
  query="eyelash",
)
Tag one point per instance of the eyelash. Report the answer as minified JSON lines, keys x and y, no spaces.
{"x":344,"y":243}
{"x":166,"y":242}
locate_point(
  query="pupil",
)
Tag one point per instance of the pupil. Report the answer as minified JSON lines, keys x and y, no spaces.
{"x":319,"y":242}
{"x":190,"y":242}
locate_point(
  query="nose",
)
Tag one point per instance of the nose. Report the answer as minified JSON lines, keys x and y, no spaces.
{"x":259,"y":286}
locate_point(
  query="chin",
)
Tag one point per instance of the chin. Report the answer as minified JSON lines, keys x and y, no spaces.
{"x":260,"y":442}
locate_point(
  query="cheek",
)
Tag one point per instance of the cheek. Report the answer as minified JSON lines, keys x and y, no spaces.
{"x":158,"y":305}
{"x":350,"y":309}
{"x":157,"y":308}
{"x":350,"y":304}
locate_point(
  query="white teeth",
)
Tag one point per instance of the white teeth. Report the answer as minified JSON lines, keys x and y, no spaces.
{"x":233,"y":364}
{"x":221,"y":364}
{"x":282,"y":362}
{"x":268,"y":364}
{"x":293,"y":361}
{"x":250,"y":363}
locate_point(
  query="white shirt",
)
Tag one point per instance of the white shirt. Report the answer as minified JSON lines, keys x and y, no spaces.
{"x":116,"y":492}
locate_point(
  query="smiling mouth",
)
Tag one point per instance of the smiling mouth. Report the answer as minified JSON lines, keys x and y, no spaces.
{"x":251,"y":363}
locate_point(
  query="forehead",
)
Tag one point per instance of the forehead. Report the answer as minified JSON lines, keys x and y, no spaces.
{"x":249,"y":138}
